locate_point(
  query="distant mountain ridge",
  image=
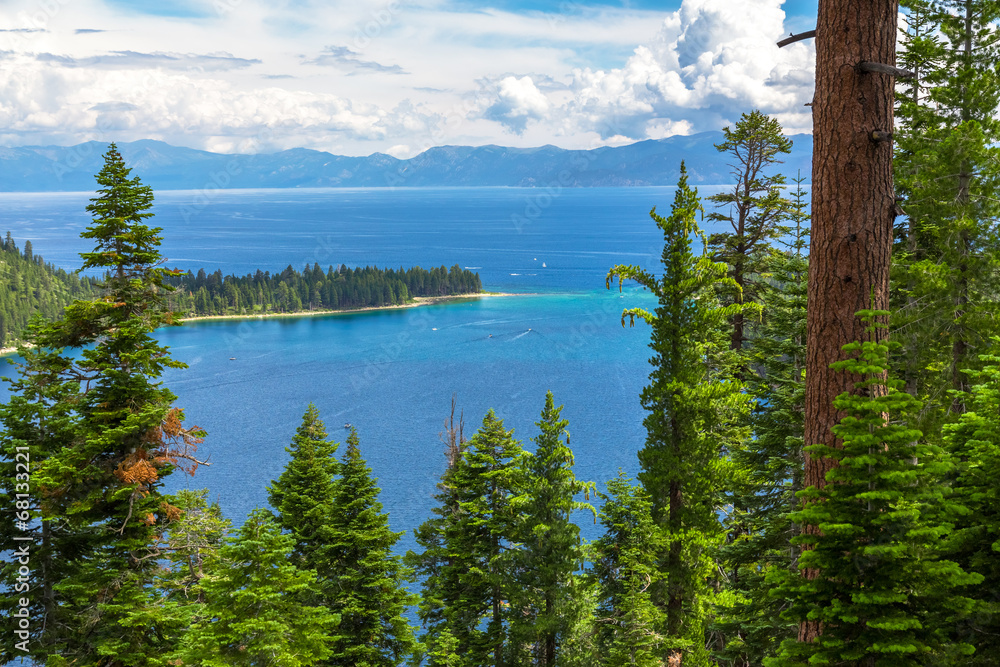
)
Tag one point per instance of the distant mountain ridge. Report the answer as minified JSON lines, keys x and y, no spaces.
{"x":166,"y":167}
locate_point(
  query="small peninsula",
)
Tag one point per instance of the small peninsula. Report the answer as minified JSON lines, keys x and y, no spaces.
{"x":29,"y":286}
{"x":313,"y":290}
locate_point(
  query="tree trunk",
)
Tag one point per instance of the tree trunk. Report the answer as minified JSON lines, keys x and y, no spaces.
{"x":960,"y":348}
{"x":550,"y":637}
{"x":852,"y":207}
{"x":675,"y":591}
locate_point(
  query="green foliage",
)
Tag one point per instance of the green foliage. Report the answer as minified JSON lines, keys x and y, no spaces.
{"x":252,"y":614}
{"x":444,"y":609}
{"x":468,"y":562}
{"x":695,"y":406}
{"x":768,"y":468}
{"x":37,"y":418}
{"x":303,"y":497}
{"x":578,"y":646}
{"x":881,"y":592}
{"x":342,"y":288}
{"x":542,"y":600}
{"x":946,"y":258}
{"x":487,"y":482}
{"x":30,"y":287}
{"x":755,"y":209}
{"x":627,"y":624}
{"x":109,"y":435}
{"x":368,"y":581}
{"x":974,"y":442}
{"x":194,"y":536}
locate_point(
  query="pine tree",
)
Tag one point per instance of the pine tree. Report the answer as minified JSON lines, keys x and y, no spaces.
{"x":252,"y":614}
{"x":881,"y":593}
{"x":694,"y":405}
{"x":756,"y":210}
{"x":37,"y":418}
{"x":194,"y":535}
{"x":486,"y":482}
{"x":550,"y":542}
{"x":370,"y":598}
{"x":102,"y":476}
{"x":974,"y":440}
{"x":628,"y":624}
{"x":946,"y":254}
{"x":446,"y":609}
{"x":190,"y":547}
{"x":303,"y":497}
{"x":767,"y":468}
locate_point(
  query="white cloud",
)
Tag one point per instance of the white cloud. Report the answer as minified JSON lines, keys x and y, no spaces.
{"x":402,"y":151}
{"x":384,"y":75}
{"x":711,"y":61}
{"x":211,"y":62}
{"x":341,"y":56}
{"x":518,"y":101}
{"x":77,"y":104}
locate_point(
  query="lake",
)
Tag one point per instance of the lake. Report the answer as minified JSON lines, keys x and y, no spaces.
{"x":392,"y":373}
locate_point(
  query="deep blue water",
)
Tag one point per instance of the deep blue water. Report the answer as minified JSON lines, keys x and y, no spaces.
{"x":392,"y":373}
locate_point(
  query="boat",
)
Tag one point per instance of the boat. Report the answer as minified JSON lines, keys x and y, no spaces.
{"x":348,"y":425}
{"x":232,"y":358}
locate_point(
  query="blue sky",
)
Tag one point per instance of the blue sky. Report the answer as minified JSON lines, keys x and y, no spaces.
{"x":395,"y":76}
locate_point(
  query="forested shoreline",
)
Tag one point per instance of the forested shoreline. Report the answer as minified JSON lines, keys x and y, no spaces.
{"x":291,"y":291}
{"x":30,"y":287}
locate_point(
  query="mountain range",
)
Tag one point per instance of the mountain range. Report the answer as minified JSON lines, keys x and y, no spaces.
{"x":167,"y":167}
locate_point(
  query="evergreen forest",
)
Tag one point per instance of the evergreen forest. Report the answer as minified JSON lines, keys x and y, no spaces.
{"x":29,"y":287}
{"x":727,"y":549}
{"x":291,"y":291}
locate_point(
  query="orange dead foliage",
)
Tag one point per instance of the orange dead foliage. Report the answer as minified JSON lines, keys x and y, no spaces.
{"x":137,"y":469}
{"x":171,"y":512}
{"x":173,"y":444}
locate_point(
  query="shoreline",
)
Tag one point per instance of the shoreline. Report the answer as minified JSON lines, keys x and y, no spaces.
{"x":417,"y":301}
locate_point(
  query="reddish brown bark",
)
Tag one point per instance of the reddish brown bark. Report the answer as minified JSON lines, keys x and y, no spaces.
{"x":852,"y":206}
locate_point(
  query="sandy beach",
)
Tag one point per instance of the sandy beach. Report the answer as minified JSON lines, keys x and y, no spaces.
{"x":417,"y":301}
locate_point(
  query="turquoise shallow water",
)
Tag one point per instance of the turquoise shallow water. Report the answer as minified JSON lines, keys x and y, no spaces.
{"x":392,"y":373}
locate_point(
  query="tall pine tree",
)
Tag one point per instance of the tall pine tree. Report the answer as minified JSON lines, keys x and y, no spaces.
{"x":756,"y":211}
{"x":628,"y":625}
{"x":550,"y":549}
{"x":116,"y":442}
{"x":767,"y":468}
{"x":694,"y":405}
{"x":252,"y":615}
{"x":442,"y":564}
{"x":486,"y":481}
{"x":303,"y":497}
{"x":371,"y":597}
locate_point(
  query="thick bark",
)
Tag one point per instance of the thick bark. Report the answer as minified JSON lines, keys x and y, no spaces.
{"x":852,"y":206}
